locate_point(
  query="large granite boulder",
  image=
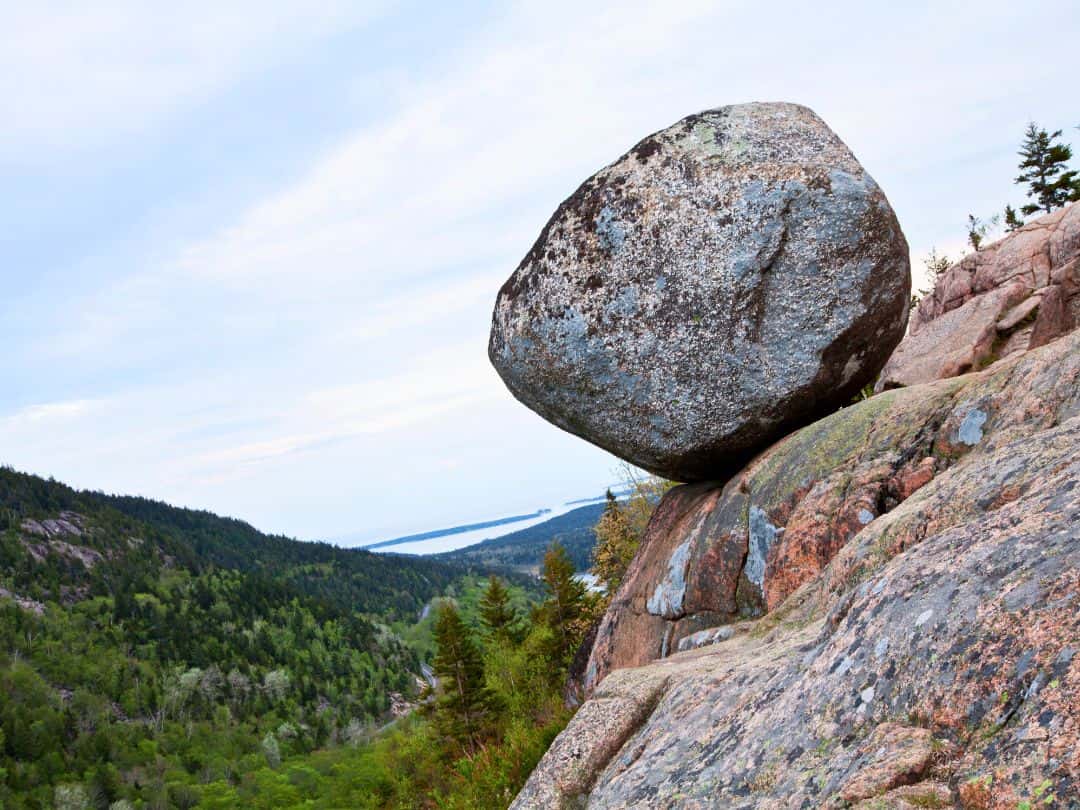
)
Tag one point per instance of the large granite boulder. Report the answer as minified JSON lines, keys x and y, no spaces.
{"x":1015,"y":294}
{"x":728,"y":279}
{"x":932,"y":661}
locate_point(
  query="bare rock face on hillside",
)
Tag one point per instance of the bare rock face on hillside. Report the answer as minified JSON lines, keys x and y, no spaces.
{"x":714,"y":555}
{"x":899,"y":585}
{"x":1016,"y":294}
{"x":728,"y":279}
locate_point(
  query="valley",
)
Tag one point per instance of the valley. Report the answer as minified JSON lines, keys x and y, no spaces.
{"x":150,"y":649}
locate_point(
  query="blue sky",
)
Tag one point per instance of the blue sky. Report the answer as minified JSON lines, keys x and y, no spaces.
{"x":249,"y":250}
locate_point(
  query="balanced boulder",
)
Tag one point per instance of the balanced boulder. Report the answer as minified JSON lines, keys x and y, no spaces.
{"x":727,"y":280}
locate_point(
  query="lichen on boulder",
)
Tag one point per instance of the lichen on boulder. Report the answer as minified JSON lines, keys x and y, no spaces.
{"x":730,"y":278}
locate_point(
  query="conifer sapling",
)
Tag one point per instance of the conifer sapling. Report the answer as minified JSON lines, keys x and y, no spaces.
{"x":1043,"y":168}
{"x":465,"y":705}
{"x":496,"y":613}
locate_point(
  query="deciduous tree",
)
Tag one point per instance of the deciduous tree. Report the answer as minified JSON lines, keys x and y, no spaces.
{"x":616,"y":543}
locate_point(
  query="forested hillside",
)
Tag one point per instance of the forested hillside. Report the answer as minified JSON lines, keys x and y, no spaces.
{"x":501,"y":662}
{"x":146,"y":650}
{"x":392,"y":587}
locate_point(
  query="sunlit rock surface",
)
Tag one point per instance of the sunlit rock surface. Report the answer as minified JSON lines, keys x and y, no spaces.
{"x":1018,"y":293}
{"x":921,"y":579}
{"x":728,"y":279}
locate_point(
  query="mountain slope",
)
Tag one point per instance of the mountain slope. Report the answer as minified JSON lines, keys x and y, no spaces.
{"x":145,"y":648}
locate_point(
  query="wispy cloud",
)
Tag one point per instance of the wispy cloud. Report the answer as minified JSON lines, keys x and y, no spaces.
{"x":423,"y":305}
{"x":48,"y":414}
{"x":75,"y":75}
{"x":434,"y":385}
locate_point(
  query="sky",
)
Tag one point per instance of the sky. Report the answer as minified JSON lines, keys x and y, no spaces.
{"x":249,"y":250}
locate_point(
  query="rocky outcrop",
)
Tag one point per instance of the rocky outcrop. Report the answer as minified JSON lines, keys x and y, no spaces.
{"x":913,"y":564}
{"x":1019,"y":293}
{"x":44,"y":537}
{"x":729,"y":279}
{"x":66,"y":524}
{"x":715,"y":554}
{"x":24,"y":602}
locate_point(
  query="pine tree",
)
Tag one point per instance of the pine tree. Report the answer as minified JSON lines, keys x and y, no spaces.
{"x":566,"y":610}
{"x":1043,"y":168}
{"x":464,"y":708}
{"x":496,"y":613}
{"x":1012,"y":220}
{"x":616,"y":543}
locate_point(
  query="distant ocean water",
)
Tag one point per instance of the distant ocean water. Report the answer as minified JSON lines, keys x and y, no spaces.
{"x":452,"y":542}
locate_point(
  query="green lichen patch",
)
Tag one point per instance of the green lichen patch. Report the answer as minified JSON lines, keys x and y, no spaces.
{"x":818,"y":449}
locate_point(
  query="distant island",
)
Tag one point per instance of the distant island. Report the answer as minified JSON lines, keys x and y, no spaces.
{"x":469,"y":527}
{"x":523,"y":550}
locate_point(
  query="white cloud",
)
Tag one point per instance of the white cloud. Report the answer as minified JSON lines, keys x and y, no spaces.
{"x":432,"y":386}
{"x":423,"y":305}
{"x":75,"y":74}
{"x":437,"y":182}
{"x":47,"y":415}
